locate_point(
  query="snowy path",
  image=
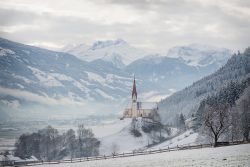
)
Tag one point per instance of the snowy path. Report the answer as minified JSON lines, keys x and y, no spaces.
{"x":238,"y":155}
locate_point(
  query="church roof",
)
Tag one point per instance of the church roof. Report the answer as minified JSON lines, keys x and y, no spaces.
{"x":134,"y":92}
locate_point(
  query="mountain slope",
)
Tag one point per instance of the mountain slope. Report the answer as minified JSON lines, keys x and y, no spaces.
{"x":165,"y":72}
{"x":188,"y":100}
{"x":57,"y":74}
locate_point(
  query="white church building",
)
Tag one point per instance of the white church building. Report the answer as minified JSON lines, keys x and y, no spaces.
{"x":139,"y":109}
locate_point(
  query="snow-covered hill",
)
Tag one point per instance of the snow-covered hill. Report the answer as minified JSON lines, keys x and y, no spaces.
{"x":117,"y":137}
{"x":189,"y":137}
{"x":124,"y":141}
{"x":237,"y":155}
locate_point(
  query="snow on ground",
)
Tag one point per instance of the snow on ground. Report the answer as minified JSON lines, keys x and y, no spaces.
{"x":47,"y":80}
{"x":124,"y":141}
{"x":238,"y":155}
{"x":109,"y":128}
{"x":103,"y":94}
{"x":95,"y":77}
{"x":5,"y":52}
{"x":186,"y":138}
{"x":22,"y":78}
{"x":61,"y":77}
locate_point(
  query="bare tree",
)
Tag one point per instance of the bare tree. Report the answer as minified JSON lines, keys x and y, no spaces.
{"x":216,"y":121}
{"x":88,"y":144}
{"x":71,"y":142}
{"x":80,"y":132}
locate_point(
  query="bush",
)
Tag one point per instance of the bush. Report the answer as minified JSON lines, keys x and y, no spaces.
{"x":150,"y":127}
{"x":136,"y":132}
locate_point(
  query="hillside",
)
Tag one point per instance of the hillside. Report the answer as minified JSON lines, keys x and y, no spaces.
{"x":125,"y":141}
{"x":188,"y":100}
{"x":237,"y":155}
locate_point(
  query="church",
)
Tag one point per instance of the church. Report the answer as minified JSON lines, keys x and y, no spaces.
{"x":139,"y":109}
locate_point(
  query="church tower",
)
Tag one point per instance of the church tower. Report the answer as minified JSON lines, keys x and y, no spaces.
{"x":138,"y":108}
{"x":134,"y":101}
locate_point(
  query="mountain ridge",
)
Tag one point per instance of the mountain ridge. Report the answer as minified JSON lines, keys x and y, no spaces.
{"x":110,"y":50}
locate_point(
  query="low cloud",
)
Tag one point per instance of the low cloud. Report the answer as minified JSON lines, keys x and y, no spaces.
{"x":45,"y":100}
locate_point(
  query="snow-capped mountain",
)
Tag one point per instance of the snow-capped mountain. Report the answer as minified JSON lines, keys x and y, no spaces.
{"x":119,"y":52}
{"x":31,"y":75}
{"x":200,"y":55}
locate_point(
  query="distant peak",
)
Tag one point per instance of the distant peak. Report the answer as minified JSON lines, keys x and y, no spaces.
{"x":73,"y":46}
{"x":107,"y":43}
{"x":120,"y":41}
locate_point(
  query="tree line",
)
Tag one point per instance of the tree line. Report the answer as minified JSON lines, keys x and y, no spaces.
{"x":47,"y":144}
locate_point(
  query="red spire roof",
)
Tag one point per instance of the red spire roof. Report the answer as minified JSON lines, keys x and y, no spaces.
{"x":134,"y":92}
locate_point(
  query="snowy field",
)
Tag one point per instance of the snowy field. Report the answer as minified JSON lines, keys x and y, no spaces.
{"x":109,"y":128}
{"x":238,"y":155}
{"x":187,"y":138}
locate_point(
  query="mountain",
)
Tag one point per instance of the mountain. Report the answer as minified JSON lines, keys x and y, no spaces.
{"x":32,"y":76}
{"x":57,"y":74}
{"x":119,"y":52}
{"x":160,"y":74}
{"x":167,"y":71}
{"x":187,"y":101}
{"x":200,"y":55}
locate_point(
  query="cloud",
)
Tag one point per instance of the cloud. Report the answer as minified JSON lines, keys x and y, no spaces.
{"x":45,"y":100}
{"x":154,"y":24}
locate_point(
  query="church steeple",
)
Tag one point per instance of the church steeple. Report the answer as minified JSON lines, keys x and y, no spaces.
{"x":134,"y":92}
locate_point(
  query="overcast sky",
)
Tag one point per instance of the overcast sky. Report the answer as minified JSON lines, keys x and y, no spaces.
{"x":152,"y":24}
